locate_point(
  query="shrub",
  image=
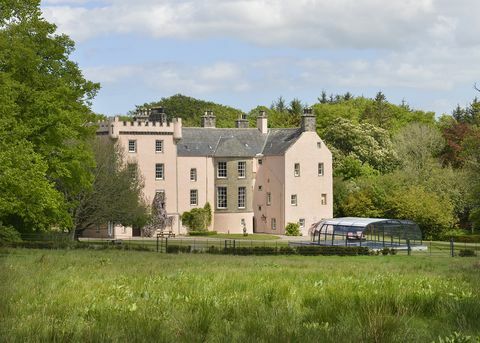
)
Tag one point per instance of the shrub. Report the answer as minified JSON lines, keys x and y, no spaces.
{"x":9,"y":235}
{"x":175,"y":249}
{"x":286,"y":251}
{"x":202,"y":233}
{"x":198,"y":219}
{"x":467,"y":253}
{"x":467,"y":239}
{"x":312,"y":250}
{"x":292,"y":229}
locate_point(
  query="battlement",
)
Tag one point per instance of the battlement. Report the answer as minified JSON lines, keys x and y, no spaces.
{"x":114,"y":126}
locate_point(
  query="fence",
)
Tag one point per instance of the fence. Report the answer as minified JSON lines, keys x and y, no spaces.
{"x":233,"y":246}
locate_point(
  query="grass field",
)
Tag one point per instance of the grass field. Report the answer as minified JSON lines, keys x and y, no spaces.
{"x":109,"y":295}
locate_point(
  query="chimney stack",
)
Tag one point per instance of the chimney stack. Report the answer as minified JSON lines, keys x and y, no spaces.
{"x":208,"y":119}
{"x":262,"y":124}
{"x":242,"y":122}
{"x":309,"y":121}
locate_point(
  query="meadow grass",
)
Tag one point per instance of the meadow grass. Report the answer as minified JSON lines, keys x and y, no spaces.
{"x":109,"y":295}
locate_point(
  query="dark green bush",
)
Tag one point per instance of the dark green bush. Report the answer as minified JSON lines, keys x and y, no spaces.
{"x":8,"y":235}
{"x":467,"y":253}
{"x":312,"y":250}
{"x":202,"y":233}
{"x":175,"y":249}
{"x":467,"y":239}
{"x":286,"y":251}
{"x":292,"y":229}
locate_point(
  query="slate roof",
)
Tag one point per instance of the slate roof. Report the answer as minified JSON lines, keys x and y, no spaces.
{"x":235,"y":142}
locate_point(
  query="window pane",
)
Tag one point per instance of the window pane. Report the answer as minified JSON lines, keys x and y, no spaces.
{"x":293,"y":200}
{"x":241,"y":197}
{"x":222,"y":169}
{"x":274,"y":224}
{"x":159,"y":172}
{"x":193,"y":174}
{"x":221,"y":197}
{"x":296,"y":169}
{"x":242,"y":166}
{"x":320,"y":169}
{"x":158,"y":146}
{"x":193,"y":197}
{"x":323,"y":199}
{"x":132,"y":146}
{"x":269,"y":198}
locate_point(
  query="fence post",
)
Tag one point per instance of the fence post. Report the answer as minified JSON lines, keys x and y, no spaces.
{"x":452,"y":248}
{"x":409,"y":248}
{"x":157,"y":242}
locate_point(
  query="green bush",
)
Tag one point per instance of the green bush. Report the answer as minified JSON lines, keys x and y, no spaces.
{"x":198,"y":219}
{"x":467,"y":239}
{"x":202,"y":233}
{"x":467,"y":253}
{"x":9,"y":235}
{"x":312,"y":250}
{"x":292,"y":229}
{"x":175,"y":249}
{"x":286,"y":251}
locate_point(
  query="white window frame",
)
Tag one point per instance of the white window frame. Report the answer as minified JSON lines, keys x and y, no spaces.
{"x":223,"y":170}
{"x":323,"y":199}
{"x":273,"y":223}
{"x":293,"y":200}
{"x":159,"y":171}
{"x":321,"y":169}
{"x":296,"y":169}
{"x":130,"y":142}
{"x":242,"y":169}
{"x":193,"y":174}
{"x":159,"y":146}
{"x":301,"y":223}
{"x":194,"y":197}
{"x":269,"y":198}
{"x":222,"y":197}
{"x":242,"y":197}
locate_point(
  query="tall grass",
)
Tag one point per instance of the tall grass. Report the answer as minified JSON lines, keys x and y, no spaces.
{"x":93,"y":296}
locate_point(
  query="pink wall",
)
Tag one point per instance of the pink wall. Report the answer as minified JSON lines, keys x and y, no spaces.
{"x":309,"y":185}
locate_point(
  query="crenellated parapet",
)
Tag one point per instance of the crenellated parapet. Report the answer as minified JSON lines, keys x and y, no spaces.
{"x":114,"y":127}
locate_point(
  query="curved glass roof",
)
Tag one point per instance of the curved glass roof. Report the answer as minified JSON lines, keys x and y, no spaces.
{"x":364,"y":222}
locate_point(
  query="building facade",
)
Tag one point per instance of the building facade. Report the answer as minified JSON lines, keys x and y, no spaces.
{"x":258,"y":179}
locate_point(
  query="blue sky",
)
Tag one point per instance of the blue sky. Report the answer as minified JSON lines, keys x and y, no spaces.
{"x":247,"y":53}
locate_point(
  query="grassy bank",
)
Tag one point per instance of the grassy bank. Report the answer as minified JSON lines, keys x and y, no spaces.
{"x":142,"y":296}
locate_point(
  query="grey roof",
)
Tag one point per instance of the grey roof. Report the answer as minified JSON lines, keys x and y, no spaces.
{"x":279,"y":140}
{"x":235,"y":142}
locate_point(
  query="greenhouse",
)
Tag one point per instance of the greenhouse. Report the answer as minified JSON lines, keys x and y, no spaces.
{"x":375,"y":233}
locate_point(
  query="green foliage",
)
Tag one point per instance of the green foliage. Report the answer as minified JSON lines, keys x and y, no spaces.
{"x":9,"y":235}
{"x":116,"y":193}
{"x":44,"y":105}
{"x":467,"y":253}
{"x":191,"y":110}
{"x":202,"y":233}
{"x":292,"y":229}
{"x":197,"y":219}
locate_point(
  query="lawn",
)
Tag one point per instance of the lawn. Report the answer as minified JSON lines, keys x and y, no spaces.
{"x":110,"y":295}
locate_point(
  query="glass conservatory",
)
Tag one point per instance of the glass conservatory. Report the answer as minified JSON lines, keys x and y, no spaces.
{"x":375,"y":233}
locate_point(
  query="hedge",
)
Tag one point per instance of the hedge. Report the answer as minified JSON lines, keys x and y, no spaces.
{"x":467,"y":239}
{"x":302,"y":250}
{"x":202,"y":233}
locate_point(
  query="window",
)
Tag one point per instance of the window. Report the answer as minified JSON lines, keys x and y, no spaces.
{"x":241,"y":197}
{"x":319,"y":145}
{"x":260,"y":161}
{"x":158,"y":146}
{"x":160,"y":191}
{"x":293,"y":200}
{"x":222,"y":169}
{"x":242,"y":166}
{"x":132,"y":170}
{"x":301,"y":222}
{"x":132,"y":146}
{"x":269,"y":198}
{"x":260,"y":187}
{"x":193,"y":174}
{"x":159,"y":171}
{"x":320,"y":169}
{"x":221,"y":197}
{"x":274,"y":223}
{"x":296,"y":169}
{"x":323,"y":199}
{"x":193,"y":197}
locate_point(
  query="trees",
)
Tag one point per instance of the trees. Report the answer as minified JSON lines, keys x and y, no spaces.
{"x":44,"y":111}
{"x":116,"y":193}
{"x":198,"y":219}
